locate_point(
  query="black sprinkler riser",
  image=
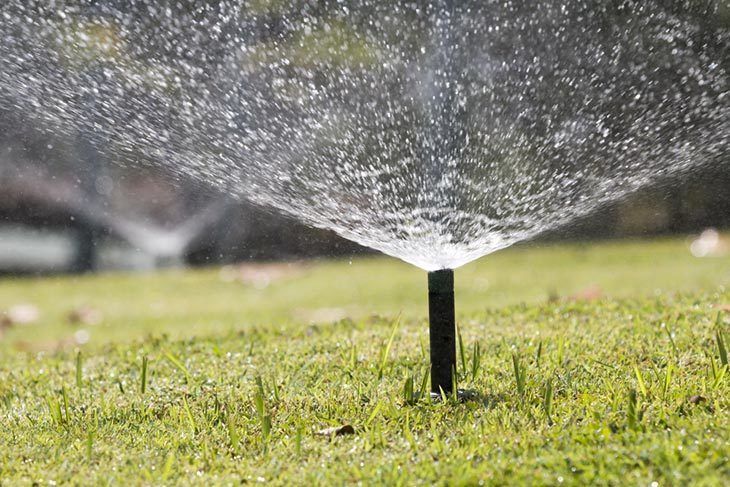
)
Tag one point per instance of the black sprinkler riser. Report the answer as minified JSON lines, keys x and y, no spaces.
{"x":442,"y":330}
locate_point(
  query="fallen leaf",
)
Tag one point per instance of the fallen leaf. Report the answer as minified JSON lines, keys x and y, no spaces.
{"x":21,"y":314}
{"x":337,"y":431}
{"x":45,"y":346}
{"x":85,"y":315}
{"x":590,"y":293}
{"x":320,"y":315}
{"x":374,"y":318}
{"x":260,"y":275}
{"x":697,"y":399}
{"x":723,"y":307}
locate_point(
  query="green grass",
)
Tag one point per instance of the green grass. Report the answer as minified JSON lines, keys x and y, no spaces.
{"x":193,"y":379}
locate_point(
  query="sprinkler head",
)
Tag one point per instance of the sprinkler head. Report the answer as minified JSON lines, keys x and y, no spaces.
{"x":442,"y":331}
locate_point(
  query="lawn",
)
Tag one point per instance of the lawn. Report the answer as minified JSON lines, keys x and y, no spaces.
{"x":595,"y":363}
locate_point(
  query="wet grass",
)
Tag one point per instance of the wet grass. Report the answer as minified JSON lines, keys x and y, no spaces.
{"x":592,"y":364}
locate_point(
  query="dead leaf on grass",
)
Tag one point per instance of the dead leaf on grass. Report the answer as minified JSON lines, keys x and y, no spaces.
{"x":21,"y":314}
{"x":697,"y":399}
{"x":590,"y":293}
{"x":260,"y":275}
{"x":320,"y":315}
{"x":337,"y":431}
{"x":44,"y":346}
{"x":85,"y":315}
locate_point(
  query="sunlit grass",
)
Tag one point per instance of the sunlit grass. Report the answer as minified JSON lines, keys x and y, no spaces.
{"x":190,"y":378}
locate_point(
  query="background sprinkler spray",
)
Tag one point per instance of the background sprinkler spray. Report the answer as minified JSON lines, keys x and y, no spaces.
{"x":442,"y":331}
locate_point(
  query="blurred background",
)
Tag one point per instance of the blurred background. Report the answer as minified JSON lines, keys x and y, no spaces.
{"x":65,"y":207}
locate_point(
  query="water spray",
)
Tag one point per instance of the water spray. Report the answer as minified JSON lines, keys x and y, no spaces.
{"x":431,"y":138}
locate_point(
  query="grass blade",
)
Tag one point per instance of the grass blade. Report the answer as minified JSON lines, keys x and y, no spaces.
{"x":189,"y":415}
{"x":520,"y":375}
{"x":353,"y":357}
{"x":386,"y":350}
{"x":167,"y":467}
{"x":298,"y":440}
{"x":64,"y":394}
{"x":454,"y":385}
{"x":476,"y":359}
{"x":54,"y":409}
{"x":632,"y":413}
{"x":233,"y":436}
{"x":671,"y":339}
{"x":444,"y":397}
{"x":275,"y":389}
{"x":462,"y":356}
{"x":719,"y":376}
{"x":667,"y":381}
{"x":89,"y":445}
{"x":143,"y":379}
{"x":424,"y":384}
{"x":640,"y":381}
{"x":264,"y":418}
{"x":79,"y":372}
{"x":179,"y":366}
{"x":375,"y":412}
{"x":720,"y":339}
{"x":548,"y":401}
{"x":408,"y":391}
{"x":258,"y":398}
{"x":561,"y":350}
